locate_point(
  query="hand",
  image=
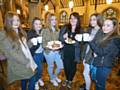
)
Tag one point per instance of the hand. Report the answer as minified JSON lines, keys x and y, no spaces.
{"x":95,"y":55}
{"x":65,"y":35}
{"x":34,"y":41}
{"x":91,"y":38}
{"x":32,"y":66}
{"x":84,"y":61}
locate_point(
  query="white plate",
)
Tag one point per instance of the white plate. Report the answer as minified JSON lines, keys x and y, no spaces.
{"x":52,"y":42}
{"x":49,"y":45}
{"x":72,"y":42}
{"x":55,"y":48}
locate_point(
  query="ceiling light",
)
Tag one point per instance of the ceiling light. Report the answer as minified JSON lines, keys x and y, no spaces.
{"x":71,"y":4}
{"x":18,"y":11}
{"x":46,"y":7}
{"x":109,"y":1}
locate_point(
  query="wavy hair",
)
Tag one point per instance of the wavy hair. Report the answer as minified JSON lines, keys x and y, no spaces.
{"x":9,"y":30}
{"x":115,"y":32}
{"x":78,"y":25}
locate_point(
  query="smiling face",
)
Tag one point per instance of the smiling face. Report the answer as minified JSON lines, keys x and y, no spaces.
{"x":53,"y":21}
{"x":93,"y":21}
{"x":73,"y":20}
{"x":15,"y":22}
{"x":37,"y":25}
{"x":108,"y":26}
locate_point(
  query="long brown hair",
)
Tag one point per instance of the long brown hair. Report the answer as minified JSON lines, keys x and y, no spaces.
{"x":99,"y":18}
{"x":8,"y":27}
{"x":114,"y":33}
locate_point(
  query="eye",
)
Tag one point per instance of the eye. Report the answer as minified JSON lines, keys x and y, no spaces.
{"x":108,"y":25}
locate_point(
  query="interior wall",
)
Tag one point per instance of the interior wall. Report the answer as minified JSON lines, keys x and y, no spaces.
{"x":82,"y":10}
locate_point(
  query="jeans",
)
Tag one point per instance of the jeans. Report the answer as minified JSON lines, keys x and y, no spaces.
{"x":101,"y":77}
{"x":51,"y":57}
{"x":38,"y":58}
{"x":86,"y":74}
{"x":31,"y":82}
{"x":93,"y":70}
{"x":69,"y":61}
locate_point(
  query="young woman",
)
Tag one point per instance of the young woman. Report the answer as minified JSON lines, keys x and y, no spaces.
{"x":51,"y":33}
{"x":35,"y":34}
{"x":106,"y":52}
{"x":70,"y":59}
{"x":95,"y":25}
{"x":20,"y":64}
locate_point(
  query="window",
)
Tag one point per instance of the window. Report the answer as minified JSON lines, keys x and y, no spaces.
{"x":63,"y":17}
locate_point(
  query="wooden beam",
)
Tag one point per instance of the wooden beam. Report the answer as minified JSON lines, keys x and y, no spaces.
{"x":61,"y":4}
{"x":95,"y":5}
{"x":83,"y":2}
{"x":53,"y":5}
{"x":45,"y":2}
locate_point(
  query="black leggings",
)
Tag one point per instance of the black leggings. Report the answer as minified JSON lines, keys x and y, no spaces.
{"x":68,"y":61}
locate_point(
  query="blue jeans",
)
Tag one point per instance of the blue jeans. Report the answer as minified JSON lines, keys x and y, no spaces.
{"x":101,"y":77}
{"x":93,"y":70}
{"x":31,"y":83}
{"x":38,"y":60}
{"x":86,"y":74}
{"x":51,"y":57}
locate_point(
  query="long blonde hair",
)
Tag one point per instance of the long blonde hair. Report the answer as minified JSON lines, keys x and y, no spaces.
{"x":9,"y":30}
{"x":49,"y":21}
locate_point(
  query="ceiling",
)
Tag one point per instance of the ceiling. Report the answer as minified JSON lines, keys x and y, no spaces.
{"x":77,"y":3}
{"x":63,"y":3}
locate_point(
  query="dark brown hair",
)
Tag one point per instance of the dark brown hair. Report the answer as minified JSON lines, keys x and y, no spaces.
{"x":78,"y":25}
{"x":34,"y":19}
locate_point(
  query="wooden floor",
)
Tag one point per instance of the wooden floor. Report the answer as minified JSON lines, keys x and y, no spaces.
{"x":113,"y":82}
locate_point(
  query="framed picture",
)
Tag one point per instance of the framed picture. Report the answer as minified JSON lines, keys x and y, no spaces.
{"x":33,"y":1}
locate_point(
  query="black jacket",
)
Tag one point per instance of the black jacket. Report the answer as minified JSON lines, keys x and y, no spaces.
{"x":32,"y":34}
{"x":89,"y":56}
{"x":76,"y":45}
{"x":106,"y":54}
{"x":117,"y":43}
